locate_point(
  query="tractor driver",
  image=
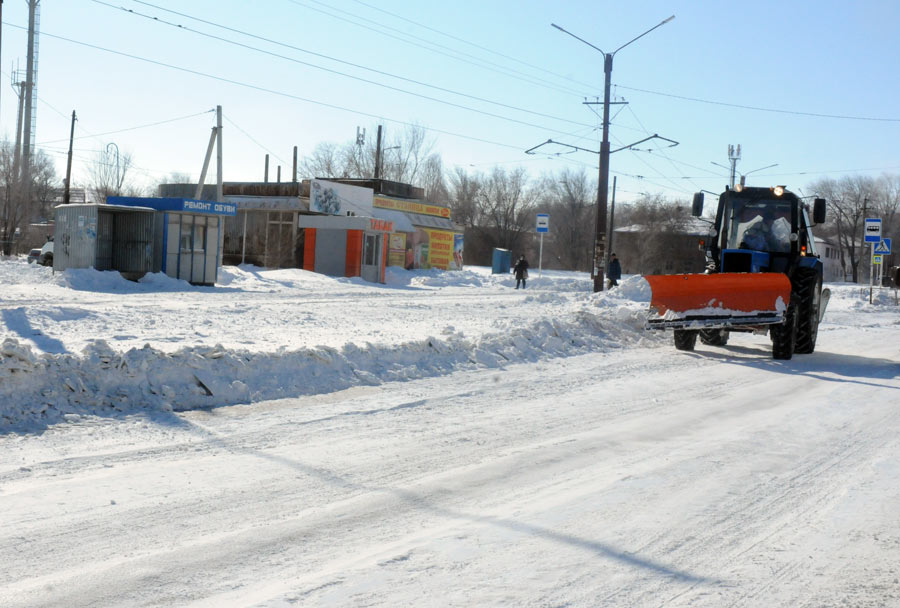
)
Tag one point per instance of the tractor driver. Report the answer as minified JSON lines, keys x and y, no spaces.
{"x":763,"y":235}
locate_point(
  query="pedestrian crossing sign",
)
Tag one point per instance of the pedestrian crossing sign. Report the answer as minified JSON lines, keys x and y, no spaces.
{"x":883,"y":247}
{"x":876,"y":259}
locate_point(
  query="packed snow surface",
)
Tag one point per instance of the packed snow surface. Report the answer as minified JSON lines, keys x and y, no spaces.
{"x":290,"y":439}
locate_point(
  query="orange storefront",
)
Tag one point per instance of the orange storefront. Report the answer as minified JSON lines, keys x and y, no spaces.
{"x":346,"y":246}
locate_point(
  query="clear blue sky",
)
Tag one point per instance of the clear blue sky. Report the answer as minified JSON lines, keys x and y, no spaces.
{"x":712,"y":77}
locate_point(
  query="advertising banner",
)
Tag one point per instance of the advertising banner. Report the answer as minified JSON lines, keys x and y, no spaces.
{"x":339,"y":199}
{"x":397,"y":250}
{"x":438,"y":250}
{"x":410,"y":206}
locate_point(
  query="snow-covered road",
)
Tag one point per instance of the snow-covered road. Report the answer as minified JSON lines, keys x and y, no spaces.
{"x":291,"y":439}
{"x":636,"y":477}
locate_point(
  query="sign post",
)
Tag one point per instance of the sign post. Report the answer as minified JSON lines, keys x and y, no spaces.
{"x":543,"y":225}
{"x":872,"y":236}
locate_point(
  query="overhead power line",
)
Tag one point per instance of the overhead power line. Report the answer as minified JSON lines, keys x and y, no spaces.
{"x":428,"y":44}
{"x":759,"y":108}
{"x":144,"y":126}
{"x":331,"y":71}
{"x":477,"y":46}
{"x":271,"y":91}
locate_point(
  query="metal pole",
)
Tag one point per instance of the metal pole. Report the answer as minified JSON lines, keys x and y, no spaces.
{"x":541,"y":257}
{"x":603,"y":182}
{"x":266,"y":171}
{"x":612,"y":215}
{"x":69,"y":163}
{"x":295,"y":165}
{"x":378,"y":154}
{"x":198,"y":193}
{"x":871,"y":269}
{"x":219,"y":195}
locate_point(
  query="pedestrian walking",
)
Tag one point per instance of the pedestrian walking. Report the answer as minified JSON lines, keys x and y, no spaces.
{"x":614,"y":272}
{"x":521,"y":270}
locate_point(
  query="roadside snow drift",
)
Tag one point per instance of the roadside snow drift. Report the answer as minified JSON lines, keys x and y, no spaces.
{"x":84,"y":342}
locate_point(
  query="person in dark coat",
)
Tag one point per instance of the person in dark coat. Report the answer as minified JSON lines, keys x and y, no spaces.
{"x":521,"y":270}
{"x":614,"y":272}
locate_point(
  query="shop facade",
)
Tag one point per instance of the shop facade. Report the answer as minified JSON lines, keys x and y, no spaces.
{"x":187,"y":235}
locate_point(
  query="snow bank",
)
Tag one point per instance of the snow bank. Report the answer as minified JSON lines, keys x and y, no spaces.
{"x":37,"y":390}
{"x":62,"y":352}
{"x":82,"y":342}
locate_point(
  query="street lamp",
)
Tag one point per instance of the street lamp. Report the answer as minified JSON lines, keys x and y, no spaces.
{"x":599,"y":266}
{"x":743,"y":175}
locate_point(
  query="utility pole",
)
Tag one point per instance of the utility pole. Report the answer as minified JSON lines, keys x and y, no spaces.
{"x":66,"y":195}
{"x":219,"y":195}
{"x":378,"y":154}
{"x":733,"y":157}
{"x":295,"y":165}
{"x":599,"y":264}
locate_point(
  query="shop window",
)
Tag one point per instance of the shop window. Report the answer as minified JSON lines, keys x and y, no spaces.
{"x":193,"y":238}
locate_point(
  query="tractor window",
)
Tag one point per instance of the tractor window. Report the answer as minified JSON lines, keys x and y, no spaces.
{"x":762,"y":225}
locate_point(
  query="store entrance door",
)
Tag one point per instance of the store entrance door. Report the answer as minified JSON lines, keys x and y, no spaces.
{"x":373,"y":245}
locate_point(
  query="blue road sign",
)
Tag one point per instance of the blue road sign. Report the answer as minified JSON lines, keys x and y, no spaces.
{"x":883,"y":247}
{"x":873,"y":229}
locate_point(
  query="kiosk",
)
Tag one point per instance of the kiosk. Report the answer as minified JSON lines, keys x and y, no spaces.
{"x":187,"y":235}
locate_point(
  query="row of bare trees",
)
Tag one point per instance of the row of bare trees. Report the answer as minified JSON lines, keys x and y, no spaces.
{"x":20,"y":203}
{"x":851,"y":200}
{"x":497,"y":207}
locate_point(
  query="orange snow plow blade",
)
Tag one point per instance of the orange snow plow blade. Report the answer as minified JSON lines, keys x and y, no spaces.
{"x":717,"y":300}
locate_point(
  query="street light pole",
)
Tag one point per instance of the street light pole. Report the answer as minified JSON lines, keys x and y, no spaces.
{"x":599,"y":265}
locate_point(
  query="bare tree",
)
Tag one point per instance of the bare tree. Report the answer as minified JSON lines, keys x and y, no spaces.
{"x":507,"y":207}
{"x":656,"y":236}
{"x":848,"y":205}
{"x":44,"y":187}
{"x":568,"y":198}
{"x":16,"y":212}
{"x":406,"y":158}
{"x":325,"y":161}
{"x":432,"y":180}
{"x":108,"y":173}
{"x":464,"y":193}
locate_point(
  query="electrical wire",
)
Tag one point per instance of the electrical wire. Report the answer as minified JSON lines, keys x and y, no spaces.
{"x":339,"y":73}
{"x":323,"y":56}
{"x":522,"y":76}
{"x":477,"y":46}
{"x":270,"y":91}
{"x":250,"y":137}
{"x":144,"y":126}
{"x":761,"y":109}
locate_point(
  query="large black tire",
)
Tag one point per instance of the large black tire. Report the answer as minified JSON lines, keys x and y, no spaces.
{"x":714,"y":337}
{"x":809,"y":297}
{"x":685,"y":339}
{"x":784,"y":336}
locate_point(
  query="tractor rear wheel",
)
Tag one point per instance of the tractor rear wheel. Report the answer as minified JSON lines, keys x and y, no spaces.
{"x":685,"y":339}
{"x":809,"y":296}
{"x":714,"y":337}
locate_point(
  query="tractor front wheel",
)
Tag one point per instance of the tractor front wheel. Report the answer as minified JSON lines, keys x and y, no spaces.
{"x":784,"y":336}
{"x":685,"y":339}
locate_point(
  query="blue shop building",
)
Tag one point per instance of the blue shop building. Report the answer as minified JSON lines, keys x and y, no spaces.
{"x":178,"y":236}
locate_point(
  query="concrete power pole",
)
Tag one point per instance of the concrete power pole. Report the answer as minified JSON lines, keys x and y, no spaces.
{"x":66,"y":195}
{"x":733,"y":157}
{"x":30,"y":92}
{"x":378,"y":154}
